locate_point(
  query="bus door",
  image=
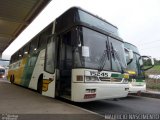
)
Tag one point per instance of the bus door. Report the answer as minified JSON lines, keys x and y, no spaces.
{"x":65,"y":65}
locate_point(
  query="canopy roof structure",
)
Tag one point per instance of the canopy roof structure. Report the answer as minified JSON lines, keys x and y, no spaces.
{"x":15,"y":16}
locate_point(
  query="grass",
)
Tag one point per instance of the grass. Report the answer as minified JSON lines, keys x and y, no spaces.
{"x":153,"y":85}
{"x":153,"y":71}
{"x":156,"y":67}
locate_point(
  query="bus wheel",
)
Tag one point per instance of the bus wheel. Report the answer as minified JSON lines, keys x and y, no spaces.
{"x":40,"y":84}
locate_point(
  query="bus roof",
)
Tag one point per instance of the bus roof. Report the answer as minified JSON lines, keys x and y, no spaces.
{"x":77,"y":16}
{"x":79,"y":8}
{"x":74,"y":9}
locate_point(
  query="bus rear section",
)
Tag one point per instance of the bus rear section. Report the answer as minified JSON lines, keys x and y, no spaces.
{"x":82,"y":59}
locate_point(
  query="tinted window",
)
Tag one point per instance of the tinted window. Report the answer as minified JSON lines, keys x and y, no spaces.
{"x":50,"y":56}
{"x":20,"y":53}
{"x":26,"y":49}
{"x":2,"y":71}
{"x":95,"y":45}
{"x":44,"y":36}
{"x":131,"y":47}
{"x":34,"y":44}
{"x":65,"y":20}
{"x":15,"y":57}
{"x":118,"y":54}
{"x":66,"y":51}
{"x":94,"y":21}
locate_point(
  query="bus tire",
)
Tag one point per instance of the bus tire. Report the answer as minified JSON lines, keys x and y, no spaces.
{"x":40,"y":84}
{"x":12,"y":79}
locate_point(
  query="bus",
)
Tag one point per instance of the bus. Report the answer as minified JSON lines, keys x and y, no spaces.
{"x":79,"y":56}
{"x":2,"y":73}
{"x":136,"y":69}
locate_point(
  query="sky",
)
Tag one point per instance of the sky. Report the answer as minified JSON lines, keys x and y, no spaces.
{"x":138,"y":22}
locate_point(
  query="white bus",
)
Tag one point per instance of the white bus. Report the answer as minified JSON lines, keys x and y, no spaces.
{"x":79,"y":56}
{"x":136,"y":69}
{"x":2,"y":73}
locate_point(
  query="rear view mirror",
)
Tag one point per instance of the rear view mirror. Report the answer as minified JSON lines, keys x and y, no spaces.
{"x":130,"y":54}
{"x":146,"y":62}
{"x":152,"y":61}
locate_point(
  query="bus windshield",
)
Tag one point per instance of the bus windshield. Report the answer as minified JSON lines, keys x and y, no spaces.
{"x":2,"y":71}
{"x":99,"y":23}
{"x":95,"y":47}
{"x":134,"y":65}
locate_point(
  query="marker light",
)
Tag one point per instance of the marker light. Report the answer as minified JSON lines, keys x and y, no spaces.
{"x":131,"y":72}
{"x":79,"y":78}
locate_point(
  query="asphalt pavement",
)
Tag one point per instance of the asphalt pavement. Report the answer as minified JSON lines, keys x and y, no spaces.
{"x":128,"y":105}
{"x":19,"y":103}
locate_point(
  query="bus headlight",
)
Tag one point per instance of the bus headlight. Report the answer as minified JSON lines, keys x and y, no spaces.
{"x":91,"y":79}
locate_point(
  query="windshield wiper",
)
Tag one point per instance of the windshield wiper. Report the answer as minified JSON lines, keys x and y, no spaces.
{"x":104,"y":57}
{"x":116,"y":55}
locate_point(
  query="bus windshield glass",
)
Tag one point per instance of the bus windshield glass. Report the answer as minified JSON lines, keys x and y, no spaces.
{"x":95,"y":50}
{"x":134,"y":65}
{"x":94,"y":21}
{"x":2,"y":71}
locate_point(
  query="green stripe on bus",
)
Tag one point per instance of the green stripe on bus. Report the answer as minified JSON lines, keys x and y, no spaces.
{"x":116,"y":75}
{"x":28,"y":71}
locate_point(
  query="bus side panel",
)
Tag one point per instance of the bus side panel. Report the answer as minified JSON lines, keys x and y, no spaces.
{"x":48,"y":86}
{"x":17,"y":71}
{"x":38,"y":70}
{"x":28,"y":69}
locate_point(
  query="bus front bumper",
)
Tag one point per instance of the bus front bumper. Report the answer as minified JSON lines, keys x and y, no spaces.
{"x":83,"y":92}
{"x":137,"y":88}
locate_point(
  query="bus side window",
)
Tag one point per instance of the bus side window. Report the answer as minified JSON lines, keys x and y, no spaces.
{"x":26,"y":50}
{"x":34,"y":44}
{"x":20,"y":54}
{"x":44,"y":36}
{"x":15,"y":57}
{"x":50,"y":55}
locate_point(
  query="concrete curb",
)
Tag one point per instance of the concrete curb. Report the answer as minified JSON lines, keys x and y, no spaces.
{"x":150,"y":94}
